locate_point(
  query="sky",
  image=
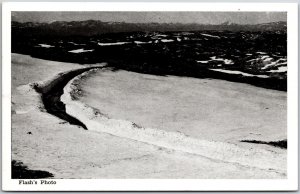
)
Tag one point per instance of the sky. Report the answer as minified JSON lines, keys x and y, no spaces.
{"x":159,"y":17}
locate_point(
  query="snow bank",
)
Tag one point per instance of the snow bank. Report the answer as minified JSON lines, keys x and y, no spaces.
{"x":261,"y":53}
{"x":203,"y":61}
{"x":214,"y":58}
{"x":265,"y":62}
{"x":226,"y":61}
{"x":212,"y":36}
{"x":112,"y":43}
{"x":279,"y":70}
{"x":275,"y":64}
{"x":45,"y":45}
{"x":80,"y":51}
{"x":226,"y":152}
{"x":140,"y":42}
{"x":167,"y":40}
{"x":239,"y":72}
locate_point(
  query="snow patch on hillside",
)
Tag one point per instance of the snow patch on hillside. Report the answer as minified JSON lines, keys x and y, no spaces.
{"x":80,"y":51}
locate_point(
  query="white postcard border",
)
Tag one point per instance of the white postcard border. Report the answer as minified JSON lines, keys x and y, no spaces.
{"x":291,"y":183}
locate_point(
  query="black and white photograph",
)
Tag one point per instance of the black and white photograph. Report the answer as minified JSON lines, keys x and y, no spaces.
{"x":164,"y":95}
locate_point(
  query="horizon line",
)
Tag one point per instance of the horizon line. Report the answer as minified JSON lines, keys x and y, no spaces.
{"x":223,"y":23}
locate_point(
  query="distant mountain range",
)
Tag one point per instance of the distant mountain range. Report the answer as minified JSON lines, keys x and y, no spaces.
{"x":96,"y":27}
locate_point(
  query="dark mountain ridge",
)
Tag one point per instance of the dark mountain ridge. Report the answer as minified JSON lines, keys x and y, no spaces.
{"x":97,"y":27}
